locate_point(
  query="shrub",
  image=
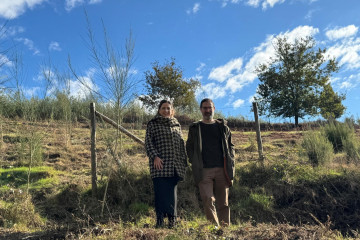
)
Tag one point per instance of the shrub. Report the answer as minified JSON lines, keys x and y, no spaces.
{"x":337,"y":133}
{"x":317,"y":148}
{"x":18,"y":209}
{"x":352,"y":149}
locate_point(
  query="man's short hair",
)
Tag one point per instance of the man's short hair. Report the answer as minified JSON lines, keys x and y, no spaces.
{"x":206,"y":100}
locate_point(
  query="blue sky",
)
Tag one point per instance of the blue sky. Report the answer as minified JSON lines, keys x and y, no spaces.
{"x":219,"y":42}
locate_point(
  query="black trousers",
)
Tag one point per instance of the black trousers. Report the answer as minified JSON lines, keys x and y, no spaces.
{"x":165,"y":189}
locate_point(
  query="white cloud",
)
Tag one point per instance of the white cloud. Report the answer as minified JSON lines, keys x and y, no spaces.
{"x":234,"y":76}
{"x":310,"y":14}
{"x":348,"y":82}
{"x":347,"y":52}
{"x":212,"y":90}
{"x":4,"y":60}
{"x":201,"y":67}
{"x":343,"y":32}
{"x":194,"y":9}
{"x":29,"y":44}
{"x":264,"y":3}
{"x":10,"y":9}
{"x":256,"y":3}
{"x":10,"y":31}
{"x":54,"y":46}
{"x":300,"y":32}
{"x":226,"y":71}
{"x":70,"y":4}
{"x":82,"y":89}
{"x":115,"y":73}
{"x":197,"y":77}
{"x":225,"y":2}
{"x":262,"y":55}
{"x":31,"y":92}
{"x":346,"y":85}
{"x":95,"y":1}
{"x":238,"y":103}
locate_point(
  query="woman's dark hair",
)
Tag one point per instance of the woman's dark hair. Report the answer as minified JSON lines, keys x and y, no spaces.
{"x":172,"y":107}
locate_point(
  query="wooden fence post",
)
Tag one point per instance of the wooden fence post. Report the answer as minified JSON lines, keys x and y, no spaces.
{"x":258,"y":134}
{"x":93,"y":149}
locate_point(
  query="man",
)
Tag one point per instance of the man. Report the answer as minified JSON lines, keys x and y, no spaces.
{"x":211,"y":154}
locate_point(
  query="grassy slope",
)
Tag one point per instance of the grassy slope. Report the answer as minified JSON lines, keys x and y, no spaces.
{"x":266,"y":202}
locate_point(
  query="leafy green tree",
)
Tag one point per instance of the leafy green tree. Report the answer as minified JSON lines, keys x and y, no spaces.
{"x":166,"y":81}
{"x":292,"y":83}
{"x":330,"y":103}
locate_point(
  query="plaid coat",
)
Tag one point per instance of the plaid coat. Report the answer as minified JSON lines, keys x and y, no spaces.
{"x":164,"y":139}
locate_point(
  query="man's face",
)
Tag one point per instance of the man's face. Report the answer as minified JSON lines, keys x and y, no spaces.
{"x":207,"y":110}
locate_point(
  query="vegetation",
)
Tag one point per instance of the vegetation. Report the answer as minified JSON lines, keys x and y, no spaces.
{"x":167,"y":81}
{"x":330,"y":103}
{"x":338,"y":133}
{"x":308,"y":187}
{"x":318,"y":148}
{"x":295,"y":83}
{"x":274,"y":201}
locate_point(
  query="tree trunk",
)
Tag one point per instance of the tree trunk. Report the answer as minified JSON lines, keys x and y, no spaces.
{"x":296,"y":120}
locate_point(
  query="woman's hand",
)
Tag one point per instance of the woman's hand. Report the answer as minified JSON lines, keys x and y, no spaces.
{"x":158,"y":163}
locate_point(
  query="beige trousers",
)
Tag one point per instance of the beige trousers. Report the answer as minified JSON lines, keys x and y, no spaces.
{"x":214,"y":192}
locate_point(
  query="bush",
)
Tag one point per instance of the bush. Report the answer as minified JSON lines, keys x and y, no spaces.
{"x":317,"y":148}
{"x":352,"y":149}
{"x":18,"y":209}
{"x":337,"y":133}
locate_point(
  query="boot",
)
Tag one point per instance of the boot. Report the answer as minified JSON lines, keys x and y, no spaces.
{"x":172,"y":221}
{"x":159,"y":221}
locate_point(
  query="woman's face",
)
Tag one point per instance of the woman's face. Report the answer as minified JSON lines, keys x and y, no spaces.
{"x":165,"y":110}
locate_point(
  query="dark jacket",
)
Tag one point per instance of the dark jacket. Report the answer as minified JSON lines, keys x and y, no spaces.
{"x":164,"y":139}
{"x":194,"y":146}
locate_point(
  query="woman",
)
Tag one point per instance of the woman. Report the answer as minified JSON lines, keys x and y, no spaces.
{"x":167,"y":160}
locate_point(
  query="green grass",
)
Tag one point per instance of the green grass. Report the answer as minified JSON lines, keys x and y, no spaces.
{"x":40,"y":177}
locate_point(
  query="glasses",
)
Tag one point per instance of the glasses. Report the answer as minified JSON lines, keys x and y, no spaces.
{"x":206,"y":108}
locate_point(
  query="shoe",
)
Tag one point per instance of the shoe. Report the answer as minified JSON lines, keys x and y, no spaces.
{"x":172,"y":222}
{"x":159,"y":222}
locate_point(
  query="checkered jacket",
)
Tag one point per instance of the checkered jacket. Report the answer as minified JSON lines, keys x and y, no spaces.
{"x":164,"y":139}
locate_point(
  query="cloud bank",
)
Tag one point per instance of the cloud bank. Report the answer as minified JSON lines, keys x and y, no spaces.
{"x":10,"y":9}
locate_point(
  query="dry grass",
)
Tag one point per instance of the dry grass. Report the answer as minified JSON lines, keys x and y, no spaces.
{"x":73,"y":214}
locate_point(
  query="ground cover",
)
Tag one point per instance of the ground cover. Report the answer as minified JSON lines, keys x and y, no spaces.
{"x":288,"y":198}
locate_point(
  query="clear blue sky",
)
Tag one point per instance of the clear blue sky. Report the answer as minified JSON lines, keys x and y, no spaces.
{"x":219,"y":42}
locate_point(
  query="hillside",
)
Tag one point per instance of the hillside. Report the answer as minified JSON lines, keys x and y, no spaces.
{"x":288,"y":198}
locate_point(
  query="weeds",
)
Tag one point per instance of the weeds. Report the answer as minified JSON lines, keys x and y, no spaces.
{"x":317,"y":148}
{"x":352,"y":149}
{"x":18,"y":211}
{"x":337,"y":133}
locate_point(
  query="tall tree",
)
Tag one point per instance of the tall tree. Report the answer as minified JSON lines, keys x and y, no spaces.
{"x":166,"y":81}
{"x":291,"y":84}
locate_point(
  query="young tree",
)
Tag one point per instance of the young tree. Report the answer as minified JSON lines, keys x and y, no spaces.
{"x":166,"y":81}
{"x":3,"y":58}
{"x":330,"y":103}
{"x":292,"y":83}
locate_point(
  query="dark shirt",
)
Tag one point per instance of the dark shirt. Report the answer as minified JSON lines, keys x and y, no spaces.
{"x":212,"y":153}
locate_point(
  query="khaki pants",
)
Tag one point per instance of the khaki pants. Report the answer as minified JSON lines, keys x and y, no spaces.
{"x":214,"y":192}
